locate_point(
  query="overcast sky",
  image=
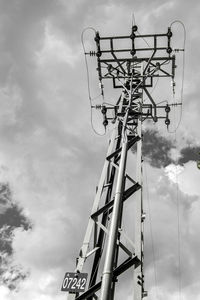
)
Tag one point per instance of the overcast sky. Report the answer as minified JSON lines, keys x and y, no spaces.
{"x":50,"y":159}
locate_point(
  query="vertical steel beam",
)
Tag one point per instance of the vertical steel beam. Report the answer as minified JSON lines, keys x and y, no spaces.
{"x":90,"y":226}
{"x":112,"y":238}
{"x":138,"y":272}
{"x":137,"y":294}
{"x":107,"y":274}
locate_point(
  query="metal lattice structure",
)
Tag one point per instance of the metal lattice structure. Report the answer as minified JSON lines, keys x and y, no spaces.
{"x":133,"y":69}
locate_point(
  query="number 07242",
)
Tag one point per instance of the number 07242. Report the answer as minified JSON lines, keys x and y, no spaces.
{"x":74,"y":282}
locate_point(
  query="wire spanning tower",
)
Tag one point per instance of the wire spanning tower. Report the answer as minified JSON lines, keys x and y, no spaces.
{"x":133,"y":70}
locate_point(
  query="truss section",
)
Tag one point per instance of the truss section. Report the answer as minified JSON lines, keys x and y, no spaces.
{"x":132,"y":63}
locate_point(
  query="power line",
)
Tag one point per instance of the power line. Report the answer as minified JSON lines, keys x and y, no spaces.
{"x":88,"y":81}
{"x":151,"y":230}
{"x":178,"y":217}
{"x":152,"y":89}
{"x":133,"y":19}
{"x":183,"y":63}
{"x":179,"y":238}
{"x":183,"y":73}
{"x":178,"y":226}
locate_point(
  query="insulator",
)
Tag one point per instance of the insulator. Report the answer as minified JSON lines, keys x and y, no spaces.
{"x":140,"y":277}
{"x":101,"y":85}
{"x":169,"y":33}
{"x":133,"y":52}
{"x":104,"y":110}
{"x":177,"y":50}
{"x":155,"y":118}
{"x":169,"y":50}
{"x":135,"y":28}
{"x":144,"y":294}
{"x":176,"y":104}
{"x":105,"y":122}
{"x":132,"y":36}
{"x":167,"y":122}
{"x":173,"y":83}
{"x":98,"y":54}
{"x":97,"y":37}
{"x":167,"y":108}
{"x":92,"y":53}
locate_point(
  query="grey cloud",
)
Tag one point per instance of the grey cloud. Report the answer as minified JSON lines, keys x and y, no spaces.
{"x":5,"y":194}
{"x":156,"y":149}
{"x":23,"y":31}
{"x":18,"y":69}
{"x":167,"y":208}
{"x":10,"y":274}
{"x":6,"y":240}
{"x":191,"y":153}
{"x":19,"y":45}
{"x":11,"y":217}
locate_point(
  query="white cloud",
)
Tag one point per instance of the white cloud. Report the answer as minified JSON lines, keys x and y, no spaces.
{"x":56,"y":50}
{"x":173,"y":171}
{"x":159,"y":10}
{"x":10,"y":102}
{"x":53,"y":166}
{"x":186,"y":177}
{"x":5,"y":293}
{"x":190,"y":178}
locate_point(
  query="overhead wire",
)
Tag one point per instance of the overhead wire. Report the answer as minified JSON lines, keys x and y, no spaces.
{"x":88,"y":81}
{"x":176,"y":161}
{"x":152,"y":89}
{"x":144,"y":39}
{"x":151,"y":232}
{"x":178,"y":218}
{"x":149,"y":47}
{"x":177,"y":191}
{"x":178,"y":228}
{"x":148,"y":201}
{"x":133,"y":19}
{"x":183,"y":69}
{"x":177,"y":197}
{"x":183,"y":74}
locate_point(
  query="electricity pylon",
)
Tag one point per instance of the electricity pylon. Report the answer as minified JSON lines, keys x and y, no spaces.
{"x":133,"y":70}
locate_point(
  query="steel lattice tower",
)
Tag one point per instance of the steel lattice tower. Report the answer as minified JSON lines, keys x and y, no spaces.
{"x":132,"y":70}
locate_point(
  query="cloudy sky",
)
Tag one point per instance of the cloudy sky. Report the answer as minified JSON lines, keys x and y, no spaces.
{"x":50,"y":159}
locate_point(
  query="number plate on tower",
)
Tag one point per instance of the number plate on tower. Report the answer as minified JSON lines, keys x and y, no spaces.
{"x":74,"y":282}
